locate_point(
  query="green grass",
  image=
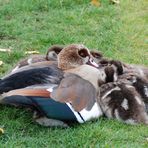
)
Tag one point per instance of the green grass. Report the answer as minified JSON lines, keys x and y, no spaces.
{"x":119,"y":31}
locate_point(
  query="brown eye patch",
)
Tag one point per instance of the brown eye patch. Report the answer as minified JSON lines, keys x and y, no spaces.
{"x":83,"y":53}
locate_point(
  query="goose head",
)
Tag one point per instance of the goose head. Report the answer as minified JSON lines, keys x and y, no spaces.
{"x":73,"y":56}
{"x":53,"y":52}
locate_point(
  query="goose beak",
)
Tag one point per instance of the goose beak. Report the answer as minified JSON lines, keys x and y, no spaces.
{"x":92,"y":63}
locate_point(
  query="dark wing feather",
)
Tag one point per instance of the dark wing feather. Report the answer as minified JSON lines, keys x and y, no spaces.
{"x":30,"y":77}
{"x":32,"y":66}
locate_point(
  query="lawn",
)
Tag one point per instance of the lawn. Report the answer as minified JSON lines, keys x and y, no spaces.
{"x":119,"y":31}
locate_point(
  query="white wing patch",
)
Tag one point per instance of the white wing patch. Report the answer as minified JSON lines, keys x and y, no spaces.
{"x":79,"y":119}
{"x":94,"y":113}
{"x":85,"y":115}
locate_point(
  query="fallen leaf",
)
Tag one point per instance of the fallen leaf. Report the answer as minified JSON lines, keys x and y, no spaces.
{"x":32,"y":52}
{"x":1,"y":63}
{"x":1,"y":131}
{"x":95,"y":3}
{"x":5,"y":50}
{"x":115,"y":1}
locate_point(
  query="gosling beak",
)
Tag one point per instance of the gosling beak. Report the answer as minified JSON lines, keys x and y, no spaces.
{"x":92,"y":63}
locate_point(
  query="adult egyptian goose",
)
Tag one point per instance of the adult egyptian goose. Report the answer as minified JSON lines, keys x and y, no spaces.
{"x":126,"y":100}
{"x":74,"y":98}
{"x":48,"y":71}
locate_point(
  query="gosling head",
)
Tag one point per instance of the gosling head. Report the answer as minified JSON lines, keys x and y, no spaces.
{"x":97,"y":56}
{"x":53,"y":52}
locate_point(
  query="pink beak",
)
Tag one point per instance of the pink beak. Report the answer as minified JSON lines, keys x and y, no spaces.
{"x":92,"y":63}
